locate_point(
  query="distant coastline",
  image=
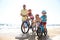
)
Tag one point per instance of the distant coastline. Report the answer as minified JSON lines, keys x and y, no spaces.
{"x":53,"y":24}
{"x":47,"y":24}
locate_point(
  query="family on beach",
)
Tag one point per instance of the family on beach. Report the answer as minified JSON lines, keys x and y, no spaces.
{"x":27,"y":14}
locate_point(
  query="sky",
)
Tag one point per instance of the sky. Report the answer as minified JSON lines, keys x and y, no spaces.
{"x":10,"y":10}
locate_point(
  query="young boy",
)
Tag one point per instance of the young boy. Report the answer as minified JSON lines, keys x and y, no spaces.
{"x":44,"y":18}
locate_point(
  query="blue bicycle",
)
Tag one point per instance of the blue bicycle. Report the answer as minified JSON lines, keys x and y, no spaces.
{"x":26,"y":25}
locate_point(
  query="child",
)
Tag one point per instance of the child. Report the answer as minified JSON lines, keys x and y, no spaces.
{"x":38,"y":19}
{"x":44,"y":18}
{"x":30,"y":14}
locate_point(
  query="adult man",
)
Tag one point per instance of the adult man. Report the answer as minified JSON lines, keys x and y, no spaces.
{"x":24,"y":13}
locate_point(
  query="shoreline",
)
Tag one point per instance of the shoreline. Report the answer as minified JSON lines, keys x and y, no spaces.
{"x":52,"y":32}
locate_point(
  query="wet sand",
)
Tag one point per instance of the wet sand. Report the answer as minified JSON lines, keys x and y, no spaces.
{"x":51,"y":33}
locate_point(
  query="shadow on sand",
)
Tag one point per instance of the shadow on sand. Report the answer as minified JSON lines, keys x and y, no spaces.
{"x":44,"y":38}
{"x":31,"y":37}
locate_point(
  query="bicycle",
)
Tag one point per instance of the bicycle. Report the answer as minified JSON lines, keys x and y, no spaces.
{"x":26,"y":25}
{"x":41,"y":30}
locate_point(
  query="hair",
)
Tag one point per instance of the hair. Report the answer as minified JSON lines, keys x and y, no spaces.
{"x":36,"y":15}
{"x":24,"y":5}
{"x":29,"y":10}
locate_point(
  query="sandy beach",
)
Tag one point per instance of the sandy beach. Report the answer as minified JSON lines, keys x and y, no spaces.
{"x":51,"y":33}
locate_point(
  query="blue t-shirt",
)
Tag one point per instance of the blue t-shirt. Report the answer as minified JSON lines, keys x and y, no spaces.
{"x":44,"y":18}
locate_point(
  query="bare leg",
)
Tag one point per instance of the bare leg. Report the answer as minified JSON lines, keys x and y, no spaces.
{"x":24,"y":28}
{"x":45,"y":27}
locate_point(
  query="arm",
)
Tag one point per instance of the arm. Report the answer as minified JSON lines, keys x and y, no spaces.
{"x":40,"y":20}
{"x":21,"y":13}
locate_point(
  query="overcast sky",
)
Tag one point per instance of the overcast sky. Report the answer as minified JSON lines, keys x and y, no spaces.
{"x":10,"y":10}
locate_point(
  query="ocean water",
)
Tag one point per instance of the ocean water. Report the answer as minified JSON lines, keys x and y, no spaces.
{"x":17,"y":28}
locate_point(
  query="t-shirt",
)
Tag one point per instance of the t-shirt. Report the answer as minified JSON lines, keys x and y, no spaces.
{"x":44,"y":18}
{"x":24,"y":12}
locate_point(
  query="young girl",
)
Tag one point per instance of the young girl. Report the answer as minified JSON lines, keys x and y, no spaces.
{"x":30,"y":14}
{"x":30,"y":17}
{"x":38,"y":19}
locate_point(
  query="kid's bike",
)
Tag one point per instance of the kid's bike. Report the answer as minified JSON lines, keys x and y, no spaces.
{"x":40,"y":31}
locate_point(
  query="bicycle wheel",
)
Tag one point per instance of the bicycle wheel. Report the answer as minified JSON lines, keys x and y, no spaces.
{"x":34,"y":29}
{"x":45,"y":32}
{"x":39,"y":33}
{"x":24,"y":27}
